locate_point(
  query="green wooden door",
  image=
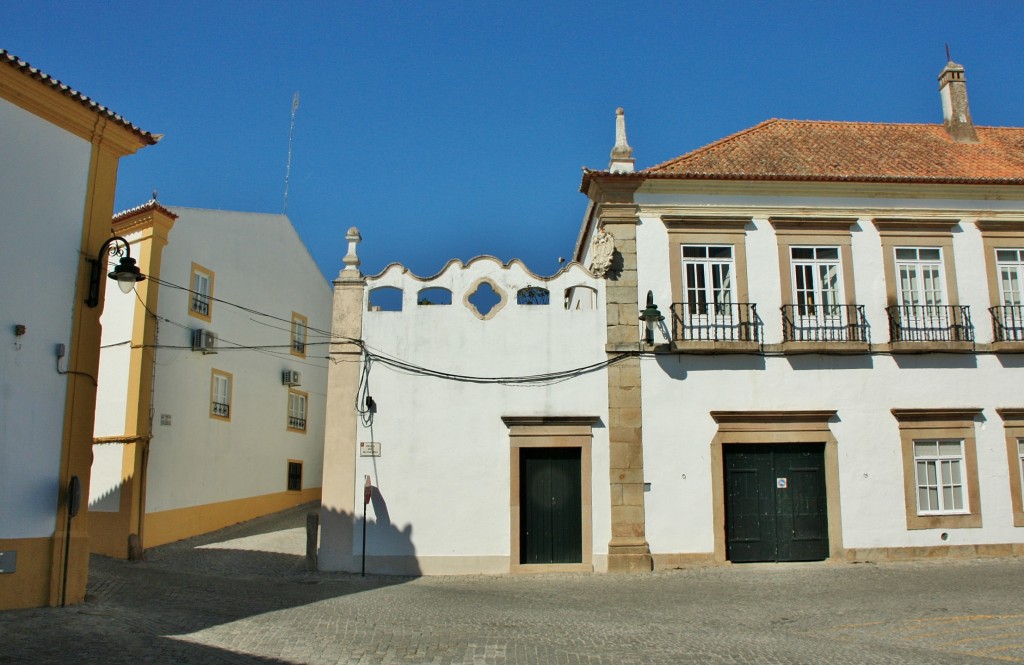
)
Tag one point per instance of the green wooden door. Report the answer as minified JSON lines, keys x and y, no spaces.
{"x":775,"y":505}
{"x":550,"y":506}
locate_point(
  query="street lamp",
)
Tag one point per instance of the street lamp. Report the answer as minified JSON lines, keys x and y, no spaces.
{"x":650,"y":316}
{"x":125,"y":273}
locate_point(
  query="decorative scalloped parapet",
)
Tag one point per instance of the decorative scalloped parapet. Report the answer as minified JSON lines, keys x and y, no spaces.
{"x":573,"y":288}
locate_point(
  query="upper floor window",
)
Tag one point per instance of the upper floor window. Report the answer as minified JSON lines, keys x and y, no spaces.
{"x":1004,"y":263}
{"x":297,"y":402}
{"x":220,"y":395}
{"x":200,"y":295}
{"x":939,"y":475}
{"x":299,"y":332}
{"x":920,"y":271}
{"x":816,"y":279}
{"x":1010,"y":266}
{"x":708,"y":279}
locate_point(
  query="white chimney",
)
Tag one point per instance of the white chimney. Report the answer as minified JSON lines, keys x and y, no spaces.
{"x":956,"y":116}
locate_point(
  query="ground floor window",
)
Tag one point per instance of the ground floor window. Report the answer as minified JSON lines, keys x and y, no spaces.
{"x":294,"y":475}
{"x":939,"y":476}
{"x":940,"y":467}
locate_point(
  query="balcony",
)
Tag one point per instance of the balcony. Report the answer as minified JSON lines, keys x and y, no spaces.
{"x":716,"y":328}
{"x":824,"y":328}
{"x":923,"y":328}
{"x":296,"y":423}
{"x":1008,"y":327}
{"x":220,"y":409}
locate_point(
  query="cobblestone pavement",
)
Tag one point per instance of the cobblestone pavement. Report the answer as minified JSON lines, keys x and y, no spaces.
{"x":242,"y":596}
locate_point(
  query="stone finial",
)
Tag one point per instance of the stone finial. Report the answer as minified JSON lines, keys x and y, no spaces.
{"x":956,"y":115}
{"x":622,"y":155}
{"x":351,"y":259}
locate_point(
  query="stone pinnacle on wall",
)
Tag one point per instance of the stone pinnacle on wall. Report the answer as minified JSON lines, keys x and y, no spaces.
{"x":622,"y":155}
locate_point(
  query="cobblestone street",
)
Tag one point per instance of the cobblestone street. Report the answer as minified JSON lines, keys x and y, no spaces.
{"x":241,"y":596}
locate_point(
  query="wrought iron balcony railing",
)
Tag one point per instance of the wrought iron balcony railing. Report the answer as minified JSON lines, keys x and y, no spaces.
{"x":710,"y":322}
{"x":1008,"y":323}
{"x":200,"y":304}
{"x":220,"y":409}
{"x":296,"y":423}
{"x":930,"y":323}
{"x":824,"y":323}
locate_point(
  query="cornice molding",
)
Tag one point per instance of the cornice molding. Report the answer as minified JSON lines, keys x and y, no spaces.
{"x":967,"y":414}
{"x":735,"y":223}
{"x":813,"y":224}
{"x":914,"y":225}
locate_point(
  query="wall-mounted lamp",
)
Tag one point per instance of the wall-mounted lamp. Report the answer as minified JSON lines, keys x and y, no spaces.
{"x":651,"y":316}
{"x":126,"y":273}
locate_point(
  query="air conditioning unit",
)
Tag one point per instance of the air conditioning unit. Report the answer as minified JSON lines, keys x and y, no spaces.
{"x":290,"y":377}
{"x":204,"y":340}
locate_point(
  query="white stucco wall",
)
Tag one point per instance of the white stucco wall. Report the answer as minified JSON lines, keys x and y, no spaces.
{"x":259,"y":262}
{"x":680,"y":391}
{"x":42,"y":202}
{"x":444,"y":469}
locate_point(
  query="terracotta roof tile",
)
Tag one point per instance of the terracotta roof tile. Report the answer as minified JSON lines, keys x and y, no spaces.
{"x":855,"y":152}
{"x":67,"y":91}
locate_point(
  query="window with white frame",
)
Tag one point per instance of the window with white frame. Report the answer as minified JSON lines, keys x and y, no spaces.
{"x":708,"y":284}
{"x":299,"y":332}
{"x":201,"y":292}
{"x":220,"y":395}
{"x":939,"y":475}
{"x":297,"y":410}
{"x":816,"y":281}
{"x":921,"y":278}
{"x":1010,"y":264}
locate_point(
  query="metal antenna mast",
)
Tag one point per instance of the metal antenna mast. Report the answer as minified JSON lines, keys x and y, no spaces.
{"x":291,"y":137}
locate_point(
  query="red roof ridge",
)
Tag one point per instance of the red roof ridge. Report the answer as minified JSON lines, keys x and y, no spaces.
{"x":713,"y":144}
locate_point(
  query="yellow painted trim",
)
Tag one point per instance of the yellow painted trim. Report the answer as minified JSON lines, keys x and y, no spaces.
{"x":109,"y":532}
{"x":69,"y":114}
{"x":208,"y":317}
{"x":288,"y":414}
{"x":27,"y":586}
{"x":231,"y":389}
{"x":298,"y":318}
{"x":168,"y":526}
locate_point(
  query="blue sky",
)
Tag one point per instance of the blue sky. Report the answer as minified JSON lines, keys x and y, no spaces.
{"x":449,"y":130}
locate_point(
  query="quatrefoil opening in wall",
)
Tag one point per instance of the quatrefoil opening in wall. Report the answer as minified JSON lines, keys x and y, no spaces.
{"x":485,"y":299}
{"x":602,"y":253}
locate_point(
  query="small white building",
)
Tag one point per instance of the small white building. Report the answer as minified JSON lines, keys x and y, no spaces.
{"x":827,"y":368}
{"x":212,"y":382}
{"x":60,"y":152}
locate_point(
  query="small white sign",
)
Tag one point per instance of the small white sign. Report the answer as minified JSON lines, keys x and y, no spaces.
{"x":781,"y":483}
{"x":369,"y":448}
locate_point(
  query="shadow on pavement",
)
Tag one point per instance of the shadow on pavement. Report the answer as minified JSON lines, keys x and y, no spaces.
{"x":176,"y":606}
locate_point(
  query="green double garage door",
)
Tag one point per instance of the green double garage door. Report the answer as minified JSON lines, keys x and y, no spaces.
{"x":775,"y":504}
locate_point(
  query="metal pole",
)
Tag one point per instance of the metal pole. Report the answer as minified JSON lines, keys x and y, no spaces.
{"x":363,"y":573}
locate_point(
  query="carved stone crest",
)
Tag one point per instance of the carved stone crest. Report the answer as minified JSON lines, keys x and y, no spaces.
{"x":602,"y":252}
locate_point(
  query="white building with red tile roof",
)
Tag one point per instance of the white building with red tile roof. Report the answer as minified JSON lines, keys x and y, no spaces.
{"x":806,"y":344}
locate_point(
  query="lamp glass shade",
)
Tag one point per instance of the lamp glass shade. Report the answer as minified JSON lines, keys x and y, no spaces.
{"x":126,"y":282}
